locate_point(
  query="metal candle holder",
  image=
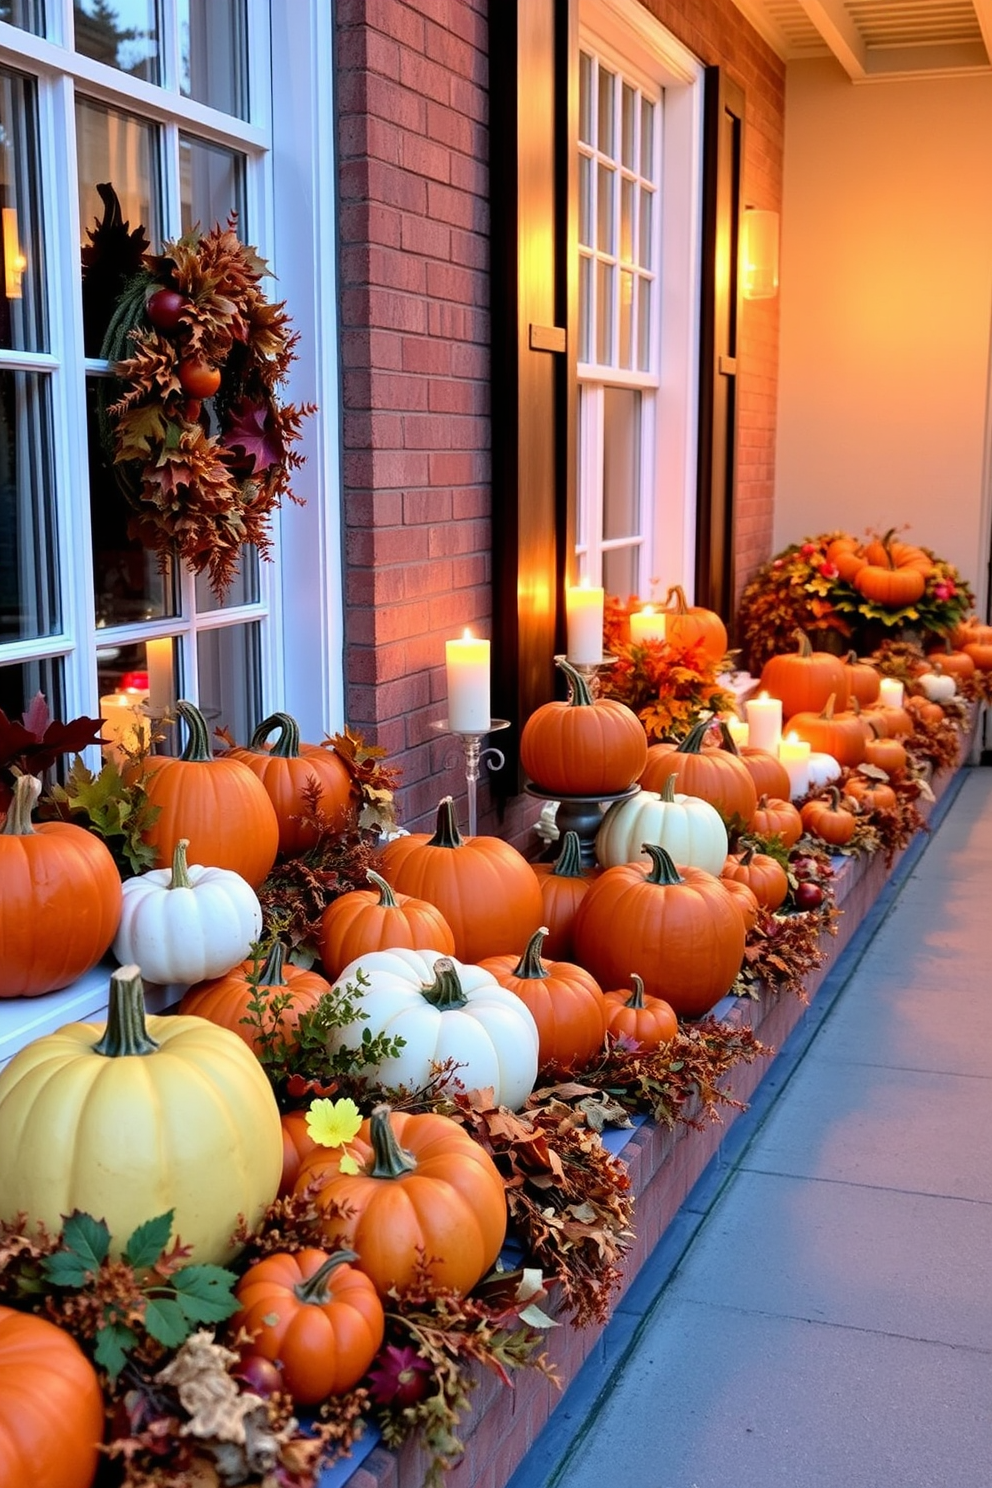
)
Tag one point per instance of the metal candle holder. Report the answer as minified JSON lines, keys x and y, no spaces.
{"x":589,"y":670}
{"x":474,"y":754}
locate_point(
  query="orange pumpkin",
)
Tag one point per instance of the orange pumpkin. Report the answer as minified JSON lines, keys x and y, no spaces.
{"x":219,"y":805}
{"x":846,"y":554}
{"x":895,"y":573}
{"x":224,"y":1000}
{"x":981,"y":654}
{"x":745,"y":901}
{"x":827,"y":819}
{"x":714,"y":775}
{"x":425,"y":1191}
{"x":956,"y":663}
{"x":484,"y":888}
{"x":777,"y":817}
{"x":838,"y":734}
{"x":804,"y":678}
{"x":648,"y":1021}
{"x":870,"y":795}
{"x":763,"y":874}
{"x":887,"y":754}
{"x":770,"y":776}
{"x":51,"y":1406}
{"x":585,"y":747}
{"x":922,"y":708}
{"x":688,"y":625}
{"x":565,"y":1002}
{"x":296,"y":1143}
{"x":863,"y":681}
{"x":288,"y":770}
{"x":564,"y":885}
{"x":378,"y":920}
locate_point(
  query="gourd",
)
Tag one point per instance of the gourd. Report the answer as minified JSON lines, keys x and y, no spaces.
{"x":60,"y":899}
{"x":689,"y":828}
{"x":689,"y":625}
{"x":486,"y":890}
{"x":841,"y":735}
{"x":564,"y":884}
{"x":829,"y":820}
{"x":584,"y":747}
{"x":763,"y":874}
{"x":424,"y":1191}
{"x":51,"y":1406}
{"x":224,"y":999}
{"x":715,"y":775}
{"x":188,"y":923}
{"x":805,"y":678}
{"x":376,"y":919}
{"x":288,"y":771}
{"x":677,"y":927}
{"x":315,"y":1314}
{"x":565,"y":1001}
{"x":218,"y":805}
{"x":135,"y":1117}
{"x":443,"y":1010}
{"x":649,"y":1022}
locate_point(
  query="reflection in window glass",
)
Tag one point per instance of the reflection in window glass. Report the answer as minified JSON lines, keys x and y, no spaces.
{"x":213,"y":56}
{"x":626,"y":220}
{"x":244,"y":589}
{"x":605,"y":227}
{"x":120,"y":154}
{"x":29,"y":15}
{"x":646,"y":207}
{"x":585,"y":201}
{"x":621,"y":461}
{"x":585,"y":309}
{"x":604,"y":313}
{"x":119,"y":33}
{"x":585,"y":98}
{"x":23,"y":325}
{"x":21,"y":682}
{"x":644,"y":289}
{"x":627,"y":116}
{"x":625,"y":326}
{"x":647,"y":138}
{"x":607,"y":93}
{"x":620,"y":570}
{"x":211,"y":185}
{"x":230,"y":679}
{"x":29,"y":591}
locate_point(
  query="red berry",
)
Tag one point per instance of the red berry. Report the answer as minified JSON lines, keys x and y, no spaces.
{"x":808,"y":549}
{"x":829,"y":570}
{"x":260,"y":1375}
{"x":164,"y":308}
{"x":808,"y":896}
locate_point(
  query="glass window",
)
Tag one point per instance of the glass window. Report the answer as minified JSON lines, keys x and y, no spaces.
{"x":211,"y":184}
{"x":28,"y":14}
{"x":23,"y":681}
{"x":119,"y":33}
{"x":213,"y":54}
{"x":22,"y":308}
{"x":29,"y":590}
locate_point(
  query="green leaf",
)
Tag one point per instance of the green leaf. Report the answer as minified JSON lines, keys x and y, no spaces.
{"x":63,"y":1268}
{"x":89,"y":1238}
{"x":166,"y":1322}
{"x":148,"y":1241}
{"x":111,"y":1345}
{"x":206,"y":1293}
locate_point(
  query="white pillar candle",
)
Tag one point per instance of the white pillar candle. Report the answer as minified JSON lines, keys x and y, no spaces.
{"x":764,"y":722}
{"x":469,"y":706}
{"x":890,"y":692}
{"x":647,"y":625}
{"x":584,"y":607}
{"x":158,"y":660}
{"x":737,"y":729}
{"x":125,"y":729}
{"x":794,"y":753}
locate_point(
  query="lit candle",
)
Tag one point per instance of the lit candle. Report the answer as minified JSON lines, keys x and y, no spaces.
{"x":647,"y":625}
{"x":584,"y":616}
{"x":737,"y":729}
{"x":469,"y":707}
{"x":890,"y":692}
{"x":794,"y":753}
{"x":125,"y":729}
{"x":158,"y":660}
{"x":764,"y":722}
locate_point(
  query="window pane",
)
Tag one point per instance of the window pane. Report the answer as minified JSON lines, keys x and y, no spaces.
{"x":20,"y":682}
{"x":230,"y":688}
{"x":644,"y":298}
{"x":29,"y":15}
{"x":585,"y":201}
{"x":119,"y":151}
{"x":605,"y":228}
{"x":120,"y":33}
{"x":585,"y":98}
{"x":621,"y":462}
{"x":626,"y":221}
{"x":213,"y":54}
{"x":211,"y":185}
{"x":604,"y":313}
{"x":626,"y":318}
{"x":29,"y":592}
{"x":627,"y":108}
{"x":143,"y":666}
{"x":647,"y":139}
{"x":585,"y":309}
{"x":244,"y":589}
{"x":646,"y":205}
{"x":620,"y":571}
{"x":127,"y":583}
{"x":22,"y":308}
{"x":607,"y":93}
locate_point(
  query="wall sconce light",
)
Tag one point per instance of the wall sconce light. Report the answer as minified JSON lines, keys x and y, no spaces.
{"x":760,"y":254}
{"x":14,"y":261}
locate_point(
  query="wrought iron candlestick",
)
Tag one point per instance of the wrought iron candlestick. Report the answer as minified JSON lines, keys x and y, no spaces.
{"x":474,"y":754}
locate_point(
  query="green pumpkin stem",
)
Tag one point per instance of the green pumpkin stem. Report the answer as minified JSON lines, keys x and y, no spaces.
{"x":747,"y":856}
{"x":446,"y":833}
{"x":287,"y":746}
{"x":27,"y":789}
{"x":198,"y":741}
{"x":389,"y":1160}
{"x":530,"y":967}
{"x":579,"y":695}
{"x":387,"y":899}
{"x":271,"y":974}
{"x":568,"y":863}
{"x":636,"y":998}
{"x":446,"y":991}
{"x":126,"y":1032}
{"x":729,"y":742}
{"x":317,"y":1289}
{"x":663,"y":870}
{"x":180,"y":871}
{"x":693,"y":741}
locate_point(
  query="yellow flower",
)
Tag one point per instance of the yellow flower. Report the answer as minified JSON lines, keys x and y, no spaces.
{"x":332,"y":1123}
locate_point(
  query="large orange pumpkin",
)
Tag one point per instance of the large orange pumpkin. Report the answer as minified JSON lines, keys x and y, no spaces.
{"x":485,"y":889}
{"x":424,"y":1191}
{"x":770,"y":776}
{"x":224,"y":1000}
{"x":378,"y":920}
{"x":51,"y":1406}
{"x":804,"y":679}
{"x":288,"y":770}
{"x":565,"y":1001}
{"x":688,"y":625}
{"x":585,"y":747}
{"x":828,"y":732}
{"x":715,"y":775}
{"x":60,"y":899}
{"x":895,"y":573}
{"x":219,"y":805}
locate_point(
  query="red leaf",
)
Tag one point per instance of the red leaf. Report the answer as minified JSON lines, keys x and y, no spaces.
{"x":251,"y":431}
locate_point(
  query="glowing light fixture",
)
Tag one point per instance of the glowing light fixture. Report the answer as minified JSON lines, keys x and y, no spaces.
{"x":14,"y":261}
{"x":760,"y":254}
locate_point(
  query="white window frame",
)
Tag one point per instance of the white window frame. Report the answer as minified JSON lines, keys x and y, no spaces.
{"x":633,"y":43}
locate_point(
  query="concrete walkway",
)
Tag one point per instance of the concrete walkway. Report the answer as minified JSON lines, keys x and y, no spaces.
{"x":820,"y":1315}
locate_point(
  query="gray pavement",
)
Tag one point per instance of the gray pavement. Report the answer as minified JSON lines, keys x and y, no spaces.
{"x":820,"y":1313}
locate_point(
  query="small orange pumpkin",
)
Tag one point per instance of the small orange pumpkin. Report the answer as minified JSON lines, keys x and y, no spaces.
{"x":585,"y":747}
{"x":378,"y":920}
{"x":828,"y":819}
{"x":839,"y":734}
{"x":714,"y":775}
{"x":763,"y":874}
{"x":565,"y":1001}
{"x":564,"y":884}
{"x":862,"y":679}
{"x":777,"y":817}
{"x":648,"y":1021}
{"x":224,"y":1000}
{"x":688,"y":625}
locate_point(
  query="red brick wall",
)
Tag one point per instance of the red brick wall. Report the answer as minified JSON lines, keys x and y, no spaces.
{"x":412,"y":93}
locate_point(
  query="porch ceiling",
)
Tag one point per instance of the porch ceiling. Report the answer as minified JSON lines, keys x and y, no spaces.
{"x":879,"y":38}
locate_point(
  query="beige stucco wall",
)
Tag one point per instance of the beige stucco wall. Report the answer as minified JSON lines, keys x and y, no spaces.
{"x":886,"y":302}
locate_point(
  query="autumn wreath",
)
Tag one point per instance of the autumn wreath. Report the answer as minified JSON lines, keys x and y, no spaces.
{"x":199,"y":442}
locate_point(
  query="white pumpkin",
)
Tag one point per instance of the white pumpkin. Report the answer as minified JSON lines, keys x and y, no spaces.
{"x":937,"y":687}
{"x":689,"y":829}
{"x":823,"y":769}
{"x":443,"y":1009}
{"x":185,"y":924}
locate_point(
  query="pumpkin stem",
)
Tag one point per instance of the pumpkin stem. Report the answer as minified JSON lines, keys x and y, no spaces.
{"x":729,"y":742}
{"x":27,"y":789}
{"x":125,"y":1033}
{"x":693,"y":741}
{"x":180,"y":872}
{"x":446,"y":833}
{"x":271,"y":974}
{"x":568,"y":863}
{"x":681,"y":603}
{"x":579,"y":695}
{"x":387,"y":899}
{"x":636,"y":998}
{"x":828,"y":708}
{"x":667,"y":791}
{"x":389,"y":1159}
{"x":198,"y":742}
{"x":317,"y":1289}
{"x":663,"y":870}
{"x":746,"y":857}
{"x":445,"y":991}
{"x":287,"y":746}
{"x":530,"y":967}
{"x":803,"y":641}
